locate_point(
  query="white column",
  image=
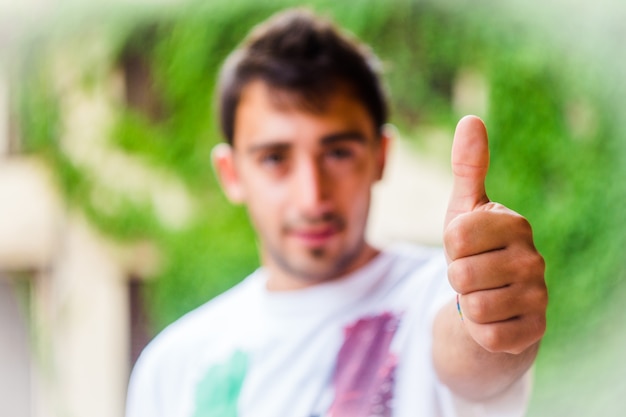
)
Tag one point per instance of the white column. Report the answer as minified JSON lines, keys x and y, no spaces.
{"x":83,"y":307}
{"x":4,"y":114}
{"x":29,"y":215}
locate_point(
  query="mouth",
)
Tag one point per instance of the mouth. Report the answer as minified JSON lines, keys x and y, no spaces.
{"x":316,"y":236}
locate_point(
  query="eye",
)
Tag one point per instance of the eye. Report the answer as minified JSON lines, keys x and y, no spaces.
{"x":273,"y":159}
{"x":340,"y":153}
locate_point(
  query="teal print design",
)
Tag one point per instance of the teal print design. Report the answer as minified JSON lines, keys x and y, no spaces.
{"x":217,"y":393}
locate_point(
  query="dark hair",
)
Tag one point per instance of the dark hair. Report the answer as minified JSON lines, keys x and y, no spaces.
{"x":305,"y":57}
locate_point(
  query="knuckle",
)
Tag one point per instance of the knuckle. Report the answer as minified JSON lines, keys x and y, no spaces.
{"x":530,"y":333}
{"x":459,"y":275}
{"x":539,"y":325}
{"x":522,"y":227}
{"x":537,"y":260}
{"x":456,"y":237}
{"x":516,"y":339}
{"x":537,"y":264}
{"x":477,"y":308}
{"x":531,"y":266}
{"x":522,"y":223}
{"x":491,"y":339}
{"x":539,"y":297}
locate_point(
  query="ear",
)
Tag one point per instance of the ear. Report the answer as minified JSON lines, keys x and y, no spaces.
{"x":389,"y":132}
{"x":226,"y":171}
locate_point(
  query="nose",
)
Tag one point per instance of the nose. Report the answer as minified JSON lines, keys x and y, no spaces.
{"x":311,"y":187}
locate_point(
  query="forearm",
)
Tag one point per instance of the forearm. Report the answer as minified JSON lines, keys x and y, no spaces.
{"x":467,"y":368}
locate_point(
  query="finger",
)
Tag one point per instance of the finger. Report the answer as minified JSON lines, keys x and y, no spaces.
{"x":486,"y":230}
{"x":497,"y":305}
{"x":511,"y":336}
{"x":470,"y":162}
{"x":496,"y":269}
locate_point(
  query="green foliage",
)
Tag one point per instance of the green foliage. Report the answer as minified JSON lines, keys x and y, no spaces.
{"x":559,"y":180}
{"x":544,"y":166}
{"x":39,"y":112}
{"x":203,"y":261}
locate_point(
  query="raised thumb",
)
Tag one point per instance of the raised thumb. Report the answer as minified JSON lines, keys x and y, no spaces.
{"x":470,"y":163}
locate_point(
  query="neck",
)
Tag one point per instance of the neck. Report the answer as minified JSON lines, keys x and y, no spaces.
{"x":284,"y":278}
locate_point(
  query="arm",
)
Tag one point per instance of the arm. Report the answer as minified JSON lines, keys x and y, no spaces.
{"x":467,"y":368}
{"x":499,"y":275}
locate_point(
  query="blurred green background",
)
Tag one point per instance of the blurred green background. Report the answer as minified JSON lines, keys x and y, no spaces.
{"x":553,"y":112}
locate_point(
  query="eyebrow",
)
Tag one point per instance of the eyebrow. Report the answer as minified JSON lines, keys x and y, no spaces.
{"x":348,"y":136}
{"x":275,"y":146}
{"x":279,"y":145}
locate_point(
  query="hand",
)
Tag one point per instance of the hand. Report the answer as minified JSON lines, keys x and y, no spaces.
{"x":492,"y":261}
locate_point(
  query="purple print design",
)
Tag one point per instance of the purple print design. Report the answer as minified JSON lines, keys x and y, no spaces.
{"x":364,"y":374}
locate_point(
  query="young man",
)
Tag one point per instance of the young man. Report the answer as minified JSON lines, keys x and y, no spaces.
{"x":330,"y":325}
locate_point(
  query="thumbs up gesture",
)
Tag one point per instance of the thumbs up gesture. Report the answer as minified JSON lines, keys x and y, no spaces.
{"x":492,"y":262}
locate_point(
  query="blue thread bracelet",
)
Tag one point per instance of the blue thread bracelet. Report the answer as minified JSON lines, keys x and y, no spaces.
{"x":458,"y":307}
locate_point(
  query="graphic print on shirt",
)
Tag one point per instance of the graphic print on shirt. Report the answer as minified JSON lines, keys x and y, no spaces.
{"x":218,"y":391}
{"x":364,"y":373}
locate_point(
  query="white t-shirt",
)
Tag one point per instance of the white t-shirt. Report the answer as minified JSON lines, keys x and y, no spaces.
{"x":356,"y":347}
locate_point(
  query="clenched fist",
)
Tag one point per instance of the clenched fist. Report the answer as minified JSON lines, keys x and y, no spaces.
{"x":492,"y":261}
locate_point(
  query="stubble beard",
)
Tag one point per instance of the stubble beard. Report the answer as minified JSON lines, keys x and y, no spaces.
{"x":319,"y":265}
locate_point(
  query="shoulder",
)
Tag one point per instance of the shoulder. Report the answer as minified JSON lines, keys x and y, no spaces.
{"x":196,"y":333}
{"x":163,"y":378}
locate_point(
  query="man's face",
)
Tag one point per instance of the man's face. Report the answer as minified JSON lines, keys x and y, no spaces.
{"x":306,"y":179}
